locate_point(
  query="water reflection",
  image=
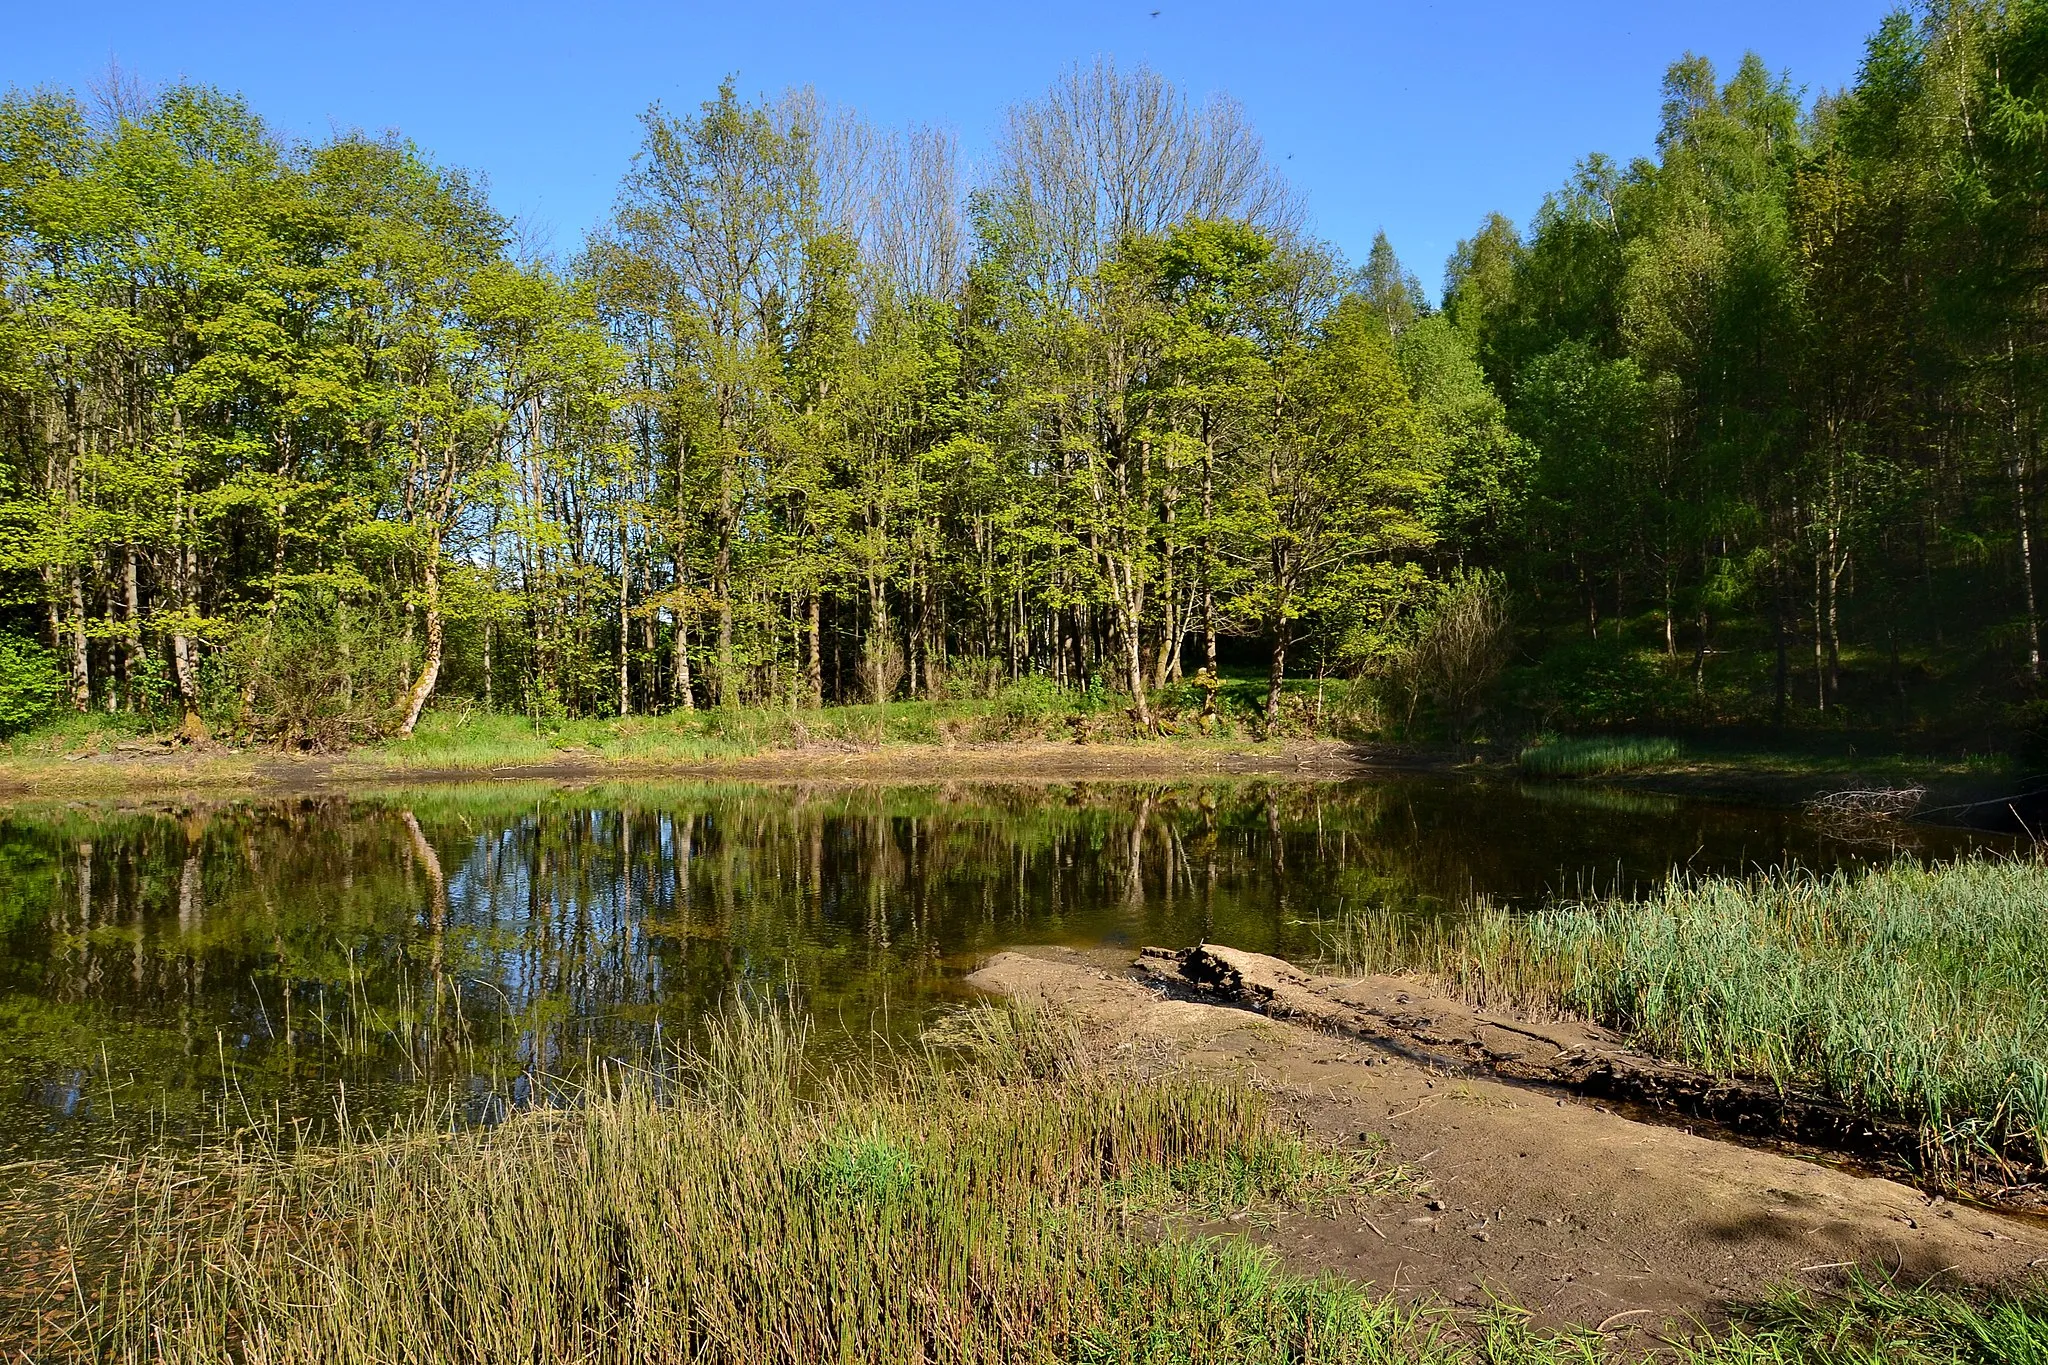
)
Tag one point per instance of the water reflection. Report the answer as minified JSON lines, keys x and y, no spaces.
{"x":197,"y":968}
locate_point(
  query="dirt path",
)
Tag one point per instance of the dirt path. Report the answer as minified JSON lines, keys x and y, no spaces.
{"x":1559,"y":1205}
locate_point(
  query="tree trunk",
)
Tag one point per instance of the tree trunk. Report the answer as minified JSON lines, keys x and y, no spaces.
{"x":722,"y":585}
{"x":814,"y":658}
{"x":1781,"y":628}
{"x":81,"y":672}
{"x":1277,"y":674}
{"x":1670,"y":613}
{"x":625,"y":625}
{"x":2023,"y":505}
{"x":184,"y":655}
{"x":1208,"y":548}
{"x":681,"y":681}
{"x":430,"y":668}
{"x":2023,"y":502}
{"x":1820,"y":652}
{"x":131,"y":638}
{"x":1134,"y":670}
{"x":650,"y":671}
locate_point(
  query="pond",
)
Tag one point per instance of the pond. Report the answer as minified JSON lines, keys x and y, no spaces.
{"x":211,"y":967}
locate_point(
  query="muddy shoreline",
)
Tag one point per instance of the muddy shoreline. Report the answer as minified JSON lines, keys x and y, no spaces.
{"x":144,"y":772}
{"x":1564,"y":1202}
{"x":1410,"y":1019}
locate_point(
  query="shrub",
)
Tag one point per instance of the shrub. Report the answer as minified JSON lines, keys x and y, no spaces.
{"x":1592,"y":684}
{"x":1462,"y":648}
{"x":322,"y":679}
{"x":1030,"y":701}
{"x":31,"y":684}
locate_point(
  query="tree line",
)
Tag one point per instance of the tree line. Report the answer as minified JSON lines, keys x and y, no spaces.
{"x":296,"y":438}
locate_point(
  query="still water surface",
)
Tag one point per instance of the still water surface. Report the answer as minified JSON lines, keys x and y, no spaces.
{"x":185,"y":970}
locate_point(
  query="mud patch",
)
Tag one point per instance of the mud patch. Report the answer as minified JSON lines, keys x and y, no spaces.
{"x":1403,"y":1016}
{"x":1552,"y":1201}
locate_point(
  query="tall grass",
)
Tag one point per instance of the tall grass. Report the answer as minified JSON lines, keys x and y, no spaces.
{"x":1024,"y":1204}
{"x":740,"y":1206}
{"x":1600,"y":756}
{"x":1911,"y":992}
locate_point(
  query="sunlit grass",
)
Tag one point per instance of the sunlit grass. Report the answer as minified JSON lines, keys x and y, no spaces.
{"x":73,"y":732}
{"x":1911,"y":992}
{"x":1600,"y":756}
{"x":1005,"y":1196}
{"x":743,"y":1206}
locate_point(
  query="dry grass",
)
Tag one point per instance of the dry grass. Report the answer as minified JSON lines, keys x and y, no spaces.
{"x":1003,"y":1197}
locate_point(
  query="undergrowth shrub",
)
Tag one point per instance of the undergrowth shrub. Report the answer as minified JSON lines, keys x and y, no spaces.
{"x":31,"y":684}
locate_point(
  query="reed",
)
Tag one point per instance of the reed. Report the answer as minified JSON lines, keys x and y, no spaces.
{"x":1001,"y":1196}
{"x":1913,"y":992}
{"x":1600,"y":756}
{"x":738,"y":1204}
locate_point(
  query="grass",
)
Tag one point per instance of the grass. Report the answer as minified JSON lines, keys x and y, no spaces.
{"x":1913,"y":992}
{"x":741,"y":1205}
{"x":458,"y":736}
{"x":1601,"y":756}
{"x":1005,"y":1197}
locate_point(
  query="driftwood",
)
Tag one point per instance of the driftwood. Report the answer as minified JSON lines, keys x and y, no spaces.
{"x":1403,"y":1017}
{"x":1877,"y":803}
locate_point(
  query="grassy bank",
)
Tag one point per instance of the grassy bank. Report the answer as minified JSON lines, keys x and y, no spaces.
{"x":82,"y":754}
{"x":1597,"y":757}
{"x":1731,"y":764}
{"x":1912,"y":992}
{"x":1020,"y":1201}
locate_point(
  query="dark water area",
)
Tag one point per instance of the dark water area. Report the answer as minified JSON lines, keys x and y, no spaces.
{"x":202,"y":969}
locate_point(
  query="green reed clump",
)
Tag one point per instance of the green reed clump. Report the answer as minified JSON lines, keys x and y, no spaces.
{"x":1913,"y":992}
{"x":742,"y":1206}
{"x":1600,"y":756}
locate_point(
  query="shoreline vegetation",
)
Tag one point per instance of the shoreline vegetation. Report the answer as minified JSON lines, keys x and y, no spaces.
{"x":1005,"y":1192}
{"x":1037,"y":731}
{"x":1017,"y":734}
{"x":1907,"y":993}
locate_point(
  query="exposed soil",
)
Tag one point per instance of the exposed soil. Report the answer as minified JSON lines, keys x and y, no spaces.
{"x":145,"y":771}
{"x":1558,"y":1203}
{"x":1398,"y":1014}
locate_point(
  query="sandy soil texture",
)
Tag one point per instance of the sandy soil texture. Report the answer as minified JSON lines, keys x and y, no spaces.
{"x":1557,"y":1203}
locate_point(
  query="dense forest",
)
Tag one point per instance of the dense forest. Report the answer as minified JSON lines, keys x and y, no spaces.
{"x":295,"y":439}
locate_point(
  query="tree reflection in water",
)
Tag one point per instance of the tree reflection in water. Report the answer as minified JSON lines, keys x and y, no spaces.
{"x":185,"y":971}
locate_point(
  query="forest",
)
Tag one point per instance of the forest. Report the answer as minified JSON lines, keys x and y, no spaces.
{"x":297,"y":440}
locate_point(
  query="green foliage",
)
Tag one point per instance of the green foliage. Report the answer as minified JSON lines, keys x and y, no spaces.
{"x":799,"y":426}
{"x":1590,"y":684}
{"x":30,"y":684}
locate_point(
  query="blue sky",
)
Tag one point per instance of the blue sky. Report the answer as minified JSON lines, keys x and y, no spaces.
{"x":1418,"y":118}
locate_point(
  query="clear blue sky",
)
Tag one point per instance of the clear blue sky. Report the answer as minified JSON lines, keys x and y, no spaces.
{"x":1415,"y":117}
